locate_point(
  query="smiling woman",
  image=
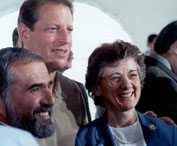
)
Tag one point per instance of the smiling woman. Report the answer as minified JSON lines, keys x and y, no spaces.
{"x":114,"y":77}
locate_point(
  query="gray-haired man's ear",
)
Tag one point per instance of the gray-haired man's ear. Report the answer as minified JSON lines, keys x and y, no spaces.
{"x":3,"y":114}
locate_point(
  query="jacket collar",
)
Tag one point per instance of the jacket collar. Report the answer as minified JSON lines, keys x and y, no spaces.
{"x":151,"y":131}
{"x":104,"y":135}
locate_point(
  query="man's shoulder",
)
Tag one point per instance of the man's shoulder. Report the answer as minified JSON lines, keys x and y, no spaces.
{"x":65,"y":80}
{"x":158,"y":75}
{"x":156,"y":70}
{"x":15,"y":137}
{"x":8,"y":129}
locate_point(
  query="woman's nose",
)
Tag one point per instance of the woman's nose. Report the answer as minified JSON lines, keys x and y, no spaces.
{"x":126,"y":83}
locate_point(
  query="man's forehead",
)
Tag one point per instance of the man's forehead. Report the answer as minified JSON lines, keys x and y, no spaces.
{"x":51,"y":7}
{"x":30,"y":76}
{"x":28,"y":69}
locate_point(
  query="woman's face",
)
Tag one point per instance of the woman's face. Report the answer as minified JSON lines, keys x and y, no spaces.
{"x":120,"y":86}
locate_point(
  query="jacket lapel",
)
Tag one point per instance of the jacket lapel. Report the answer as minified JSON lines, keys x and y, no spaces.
{"x":104,"y":136}
{"x":151,"y":132}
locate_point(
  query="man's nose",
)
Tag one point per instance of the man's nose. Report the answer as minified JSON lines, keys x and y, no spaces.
{"x":48,"y":98}
{"x":63,"y":35}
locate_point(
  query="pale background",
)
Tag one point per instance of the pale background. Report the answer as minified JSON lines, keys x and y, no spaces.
{"x":99,"y":21}
{"x":90,"y":30}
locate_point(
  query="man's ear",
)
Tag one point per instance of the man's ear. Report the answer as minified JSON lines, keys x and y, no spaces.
{"x":23,"y":32}
{"x":3,"y":115}
{"x":173,"y":48}
{"x":96,"y":90}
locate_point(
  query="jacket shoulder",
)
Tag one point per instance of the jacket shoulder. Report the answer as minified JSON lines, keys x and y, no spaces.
{"x":166,"y":131}
{"x":89,"y":127}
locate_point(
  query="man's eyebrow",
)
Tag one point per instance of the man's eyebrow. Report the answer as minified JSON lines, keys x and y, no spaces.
{"x":35,"y":85}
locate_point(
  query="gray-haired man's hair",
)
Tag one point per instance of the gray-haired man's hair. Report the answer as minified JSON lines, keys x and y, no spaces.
{"x":9,"y":56}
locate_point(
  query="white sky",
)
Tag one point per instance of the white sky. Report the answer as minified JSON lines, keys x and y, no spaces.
{"x":92,"y":27}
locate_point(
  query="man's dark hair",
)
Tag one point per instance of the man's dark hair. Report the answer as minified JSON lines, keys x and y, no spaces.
{"x":166,"y":38}
{"x":15,"y":37}
{"x":151,"y":38}
{"x":29,"y":11}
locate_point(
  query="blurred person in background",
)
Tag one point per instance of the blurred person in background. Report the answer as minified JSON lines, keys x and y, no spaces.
{"x":159,"y":92}
{"x":16,"y":39}
{"x":150,"y":44}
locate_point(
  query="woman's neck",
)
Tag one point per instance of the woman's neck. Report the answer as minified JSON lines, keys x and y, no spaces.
{"x":121,"y":119}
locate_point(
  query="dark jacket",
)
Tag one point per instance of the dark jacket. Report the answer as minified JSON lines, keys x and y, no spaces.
{"x":159,"y":93}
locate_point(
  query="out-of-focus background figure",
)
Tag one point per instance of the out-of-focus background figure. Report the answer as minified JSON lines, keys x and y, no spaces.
{"x":159,"y":92}
{"x":16,"y":39}
{"x":150,"y":43}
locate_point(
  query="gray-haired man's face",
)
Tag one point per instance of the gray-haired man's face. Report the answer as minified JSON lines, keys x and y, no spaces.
{"x":31,"y":99}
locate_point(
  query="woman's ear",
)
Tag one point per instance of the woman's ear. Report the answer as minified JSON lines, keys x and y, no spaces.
{"x":96,"y":90}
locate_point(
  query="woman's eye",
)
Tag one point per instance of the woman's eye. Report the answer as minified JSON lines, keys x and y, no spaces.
{"x":133,"y":75}
{"x":115,"y":78}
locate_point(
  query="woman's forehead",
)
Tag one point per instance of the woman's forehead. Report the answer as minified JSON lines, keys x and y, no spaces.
{"x":123,"y":65}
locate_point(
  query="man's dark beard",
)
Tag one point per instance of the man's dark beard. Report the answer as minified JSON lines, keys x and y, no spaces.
{"x":31,"y":124}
